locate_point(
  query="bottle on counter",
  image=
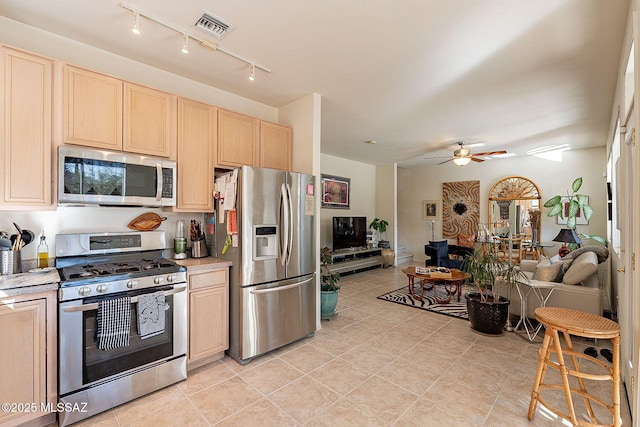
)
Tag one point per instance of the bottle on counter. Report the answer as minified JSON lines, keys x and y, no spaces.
{"x":43,"y":252}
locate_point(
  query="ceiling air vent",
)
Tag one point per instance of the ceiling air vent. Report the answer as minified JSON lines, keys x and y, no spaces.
{"x":213,"y":25}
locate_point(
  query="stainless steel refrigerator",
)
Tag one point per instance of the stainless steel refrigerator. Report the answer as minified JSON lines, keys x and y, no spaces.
{"x":272,"y":298}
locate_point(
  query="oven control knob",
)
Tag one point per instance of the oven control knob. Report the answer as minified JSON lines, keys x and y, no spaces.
{"x":84,"y":291}
{"x":132,"y":284}
{"x":171,"y":278}
{"x":102,"y":288}
{"x":158,"y":280}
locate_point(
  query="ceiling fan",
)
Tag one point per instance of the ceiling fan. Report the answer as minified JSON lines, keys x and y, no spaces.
{"x":463,"y":156}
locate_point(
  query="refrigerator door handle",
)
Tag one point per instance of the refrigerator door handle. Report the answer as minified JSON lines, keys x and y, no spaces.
{"x":289,"y":224}
{"x":281,"y":288}
{"x":285,"y":227}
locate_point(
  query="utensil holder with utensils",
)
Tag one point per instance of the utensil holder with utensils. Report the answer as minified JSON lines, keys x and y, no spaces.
{"x":10,"y":262}
{"x":198,"y":242}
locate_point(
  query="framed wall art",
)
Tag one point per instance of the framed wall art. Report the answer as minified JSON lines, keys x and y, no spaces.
{"x":580,"y":219}
{"x":335,"y":192}
{"x":431,"y":210}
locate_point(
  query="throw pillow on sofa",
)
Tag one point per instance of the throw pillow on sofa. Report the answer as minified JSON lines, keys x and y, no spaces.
{"x":548,"y":272}
{"x":466,"y":240}
{"x":581,"y":268}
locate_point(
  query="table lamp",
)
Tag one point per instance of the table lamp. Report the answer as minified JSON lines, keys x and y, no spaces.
{"x":567,"y":235}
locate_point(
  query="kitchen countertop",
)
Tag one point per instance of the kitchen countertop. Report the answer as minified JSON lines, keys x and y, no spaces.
{"x":28,"y":283}
{"x":206,"y":263}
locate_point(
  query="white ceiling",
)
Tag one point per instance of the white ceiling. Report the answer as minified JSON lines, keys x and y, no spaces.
{"x":414,"y":75}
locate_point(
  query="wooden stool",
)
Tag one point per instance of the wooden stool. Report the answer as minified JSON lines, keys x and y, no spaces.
{"x":578,"y":323}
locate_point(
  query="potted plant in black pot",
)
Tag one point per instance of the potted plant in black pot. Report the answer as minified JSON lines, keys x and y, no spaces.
{"x":488,"y":311}
{"x":329,"y":287}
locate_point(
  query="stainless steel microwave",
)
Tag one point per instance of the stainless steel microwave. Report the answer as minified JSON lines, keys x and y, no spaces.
{"x":91,"y":176}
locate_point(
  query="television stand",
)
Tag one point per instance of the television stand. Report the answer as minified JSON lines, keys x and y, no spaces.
{"x":355,"y":260}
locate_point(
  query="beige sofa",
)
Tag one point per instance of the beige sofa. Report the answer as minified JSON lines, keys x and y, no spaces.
{"x":578,"y":290}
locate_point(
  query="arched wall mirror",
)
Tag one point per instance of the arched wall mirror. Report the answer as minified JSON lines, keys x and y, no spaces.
{"x":514,"y":207}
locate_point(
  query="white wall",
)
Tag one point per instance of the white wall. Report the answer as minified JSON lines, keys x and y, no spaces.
{"x":386,"y":199}
{"x":363,"y":192}
{"x":553,"y":178}
{"x":304,"y":116}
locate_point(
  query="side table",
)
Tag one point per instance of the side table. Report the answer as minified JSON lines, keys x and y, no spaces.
{"x":543,"y":291}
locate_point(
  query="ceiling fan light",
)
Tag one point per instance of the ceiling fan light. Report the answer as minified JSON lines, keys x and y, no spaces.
{"x":461,"y":161}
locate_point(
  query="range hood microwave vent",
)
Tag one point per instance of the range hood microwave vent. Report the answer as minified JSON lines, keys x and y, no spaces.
{"x":213,"y":25}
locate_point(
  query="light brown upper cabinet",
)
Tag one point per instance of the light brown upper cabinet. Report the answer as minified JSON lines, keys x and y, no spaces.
{"x":275,"y":146}
{"x":148,"y":118}
{"x":105,"y":112}
{"x":196,"y":155}
{"x":25,"y":142}
{"x":92,"y":113}
{"x":237,"y":139}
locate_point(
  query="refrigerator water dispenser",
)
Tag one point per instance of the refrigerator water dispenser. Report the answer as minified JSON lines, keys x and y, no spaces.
{"x":265,"y":242}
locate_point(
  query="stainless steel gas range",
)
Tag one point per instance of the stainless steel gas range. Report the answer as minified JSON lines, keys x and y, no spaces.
{"x":111,"y":285}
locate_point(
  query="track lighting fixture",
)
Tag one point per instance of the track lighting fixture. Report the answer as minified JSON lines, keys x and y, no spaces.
{"x":186,"y":36}
{"x":136,"y":23}
{"x":185,"y":44}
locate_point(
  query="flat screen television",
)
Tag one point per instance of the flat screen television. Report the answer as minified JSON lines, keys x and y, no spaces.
{"x":349,"y":232}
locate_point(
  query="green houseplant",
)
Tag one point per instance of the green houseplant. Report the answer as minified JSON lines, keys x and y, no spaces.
{"x":329,"y":287}
{"x":487,"y":272}
{"x":577,"y":203}
{"x":380,"y":226}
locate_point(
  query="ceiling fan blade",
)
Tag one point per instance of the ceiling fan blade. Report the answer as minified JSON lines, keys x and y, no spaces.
{"x":446,"y":161}
{"x":476,"y":160}
{"x":490,"y":153}
{"x":436,"y":157}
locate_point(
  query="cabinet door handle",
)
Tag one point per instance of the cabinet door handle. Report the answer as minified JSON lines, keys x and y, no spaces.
{"x":620,"y":269}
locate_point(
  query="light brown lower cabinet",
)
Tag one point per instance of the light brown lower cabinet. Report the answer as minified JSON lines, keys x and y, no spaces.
{"x":28,"y":331}
{"x":208,"y":316}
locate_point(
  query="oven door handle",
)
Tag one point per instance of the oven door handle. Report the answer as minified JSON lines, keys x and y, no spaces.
{"x":94,"y":306}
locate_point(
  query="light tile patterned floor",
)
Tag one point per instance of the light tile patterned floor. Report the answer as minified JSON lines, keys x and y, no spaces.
{"x":375,"y":364}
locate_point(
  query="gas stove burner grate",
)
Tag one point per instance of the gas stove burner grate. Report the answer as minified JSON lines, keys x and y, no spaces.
{"x":126,"y":270}
{"x":101,"y":271}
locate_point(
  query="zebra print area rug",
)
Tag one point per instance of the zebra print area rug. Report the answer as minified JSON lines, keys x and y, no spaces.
{"x":453,"y":309}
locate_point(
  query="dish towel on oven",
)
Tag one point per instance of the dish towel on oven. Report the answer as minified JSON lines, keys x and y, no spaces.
{"x":114,"y":322}
{"x":151,"y":314}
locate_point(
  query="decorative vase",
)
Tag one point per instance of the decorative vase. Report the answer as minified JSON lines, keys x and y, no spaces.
{"x":328,"y":303}
{"x":388,"y":255}
{"x":487,"y":316}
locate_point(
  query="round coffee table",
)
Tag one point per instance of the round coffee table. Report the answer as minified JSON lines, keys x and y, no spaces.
{"x":453,"y":284}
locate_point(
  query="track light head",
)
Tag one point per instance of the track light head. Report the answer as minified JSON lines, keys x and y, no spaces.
{"x":252,"y":76}
{"x":185,"y":44}
{"x":136,"y":23}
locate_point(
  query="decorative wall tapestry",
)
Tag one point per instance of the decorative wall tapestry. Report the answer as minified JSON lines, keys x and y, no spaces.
{"x":460,"y":208}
